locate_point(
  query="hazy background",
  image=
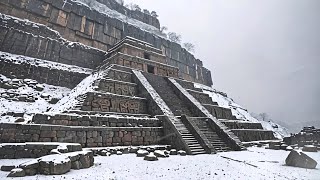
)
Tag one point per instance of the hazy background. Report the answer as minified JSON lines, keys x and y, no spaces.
{"x":264,"y":53}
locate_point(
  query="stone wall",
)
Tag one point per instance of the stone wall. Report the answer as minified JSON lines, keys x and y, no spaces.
{"x":113,"y":103}
{"x":106,"y":121}
{"x":78,"y":23}
{"x":118,"y":87}
{"x":202,"y":97}
{"x":42,"y":74}
{"x":120,"y":75}
{"x":18,"y":38}
{"x":142,"y":64}
{"x":34,"y":150}
{"x":219,"y":112}
{"x":307,"y":136}
{"x":246,"y":135}
{"x":86,"y":136}
{"x":242,"y":125}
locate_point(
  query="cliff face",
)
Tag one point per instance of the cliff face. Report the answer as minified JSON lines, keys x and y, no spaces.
{"x":103,"y":23}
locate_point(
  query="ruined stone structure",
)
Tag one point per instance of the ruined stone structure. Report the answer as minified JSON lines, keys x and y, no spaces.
{"x":136,"y":90}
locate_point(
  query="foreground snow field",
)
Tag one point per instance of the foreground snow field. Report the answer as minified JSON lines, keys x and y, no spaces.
{"x":256,"y":163}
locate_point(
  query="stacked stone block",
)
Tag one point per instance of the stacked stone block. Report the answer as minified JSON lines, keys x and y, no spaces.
{"x":85,"y":135}
{"x":79,"y":23}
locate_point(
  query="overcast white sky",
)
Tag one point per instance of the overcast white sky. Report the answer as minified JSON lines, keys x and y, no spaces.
{"x":264,"y":53}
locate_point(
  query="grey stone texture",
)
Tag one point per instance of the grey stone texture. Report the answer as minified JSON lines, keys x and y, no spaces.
{"x":78,"y":23}
{"x":299,"y":159}
{"x":41,"y":74}
{"x":87,"y":120}
{"x":86,"y":136}
{"x":32,"y":150}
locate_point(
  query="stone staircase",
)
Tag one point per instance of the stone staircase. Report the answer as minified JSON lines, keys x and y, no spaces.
{"x":111,"y":114}
{"x":245,"y":130}
{"x":178,"y":107}
{"x":218,"y":144}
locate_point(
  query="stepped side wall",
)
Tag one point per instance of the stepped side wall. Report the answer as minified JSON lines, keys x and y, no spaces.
{"x":79,"y":23}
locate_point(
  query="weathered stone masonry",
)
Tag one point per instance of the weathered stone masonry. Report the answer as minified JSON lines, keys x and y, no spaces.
{"x":86,"y":136}
{"x":78,"y":23}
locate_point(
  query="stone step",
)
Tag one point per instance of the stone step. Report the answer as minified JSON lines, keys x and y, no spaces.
{"x":194,"y":145}
{"x":107,"y":102}
{"x":198,"y":153}
{"x":95,"y":120}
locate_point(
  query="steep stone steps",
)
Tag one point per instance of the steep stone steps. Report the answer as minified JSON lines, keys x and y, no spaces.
{"x":189,"y":138}
{"x":218,"y":144}
{"x":176,"y":105}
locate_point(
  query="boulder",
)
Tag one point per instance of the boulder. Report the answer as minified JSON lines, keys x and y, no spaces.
{"x":104,"y":153}
{"x":133,"y":150}
{"x":173,"y":152}
{"x":182,"y":153}
{"x":39,"y":87}
{"x":309,"y":148}
{"x":289,"y":148}
{"x":119,"y":153}
{"x":17,"y":172}
{"x":150,"y":157}
{"x":142,"y":153}
{"x":30,"y":167}
{"x":160,"y":153}
{"x":54,"y":164}
{"x":299,"y":159}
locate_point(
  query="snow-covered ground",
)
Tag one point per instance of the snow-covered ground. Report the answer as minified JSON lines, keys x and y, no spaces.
{"x":240,"y":112}
{"x":256,"y":163}
{"x":40,"y":105}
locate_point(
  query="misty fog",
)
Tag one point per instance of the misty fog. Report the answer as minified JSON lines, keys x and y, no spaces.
{"x":265,"y":54}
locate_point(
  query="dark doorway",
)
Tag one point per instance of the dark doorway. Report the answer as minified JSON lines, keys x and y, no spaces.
{"x":147,"y":56}
{"x":150,"y":69}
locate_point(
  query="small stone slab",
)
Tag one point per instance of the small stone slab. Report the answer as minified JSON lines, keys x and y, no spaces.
{"x":7,"y":168}
{"x":142,"y":153}
{"x":150,"y":157}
